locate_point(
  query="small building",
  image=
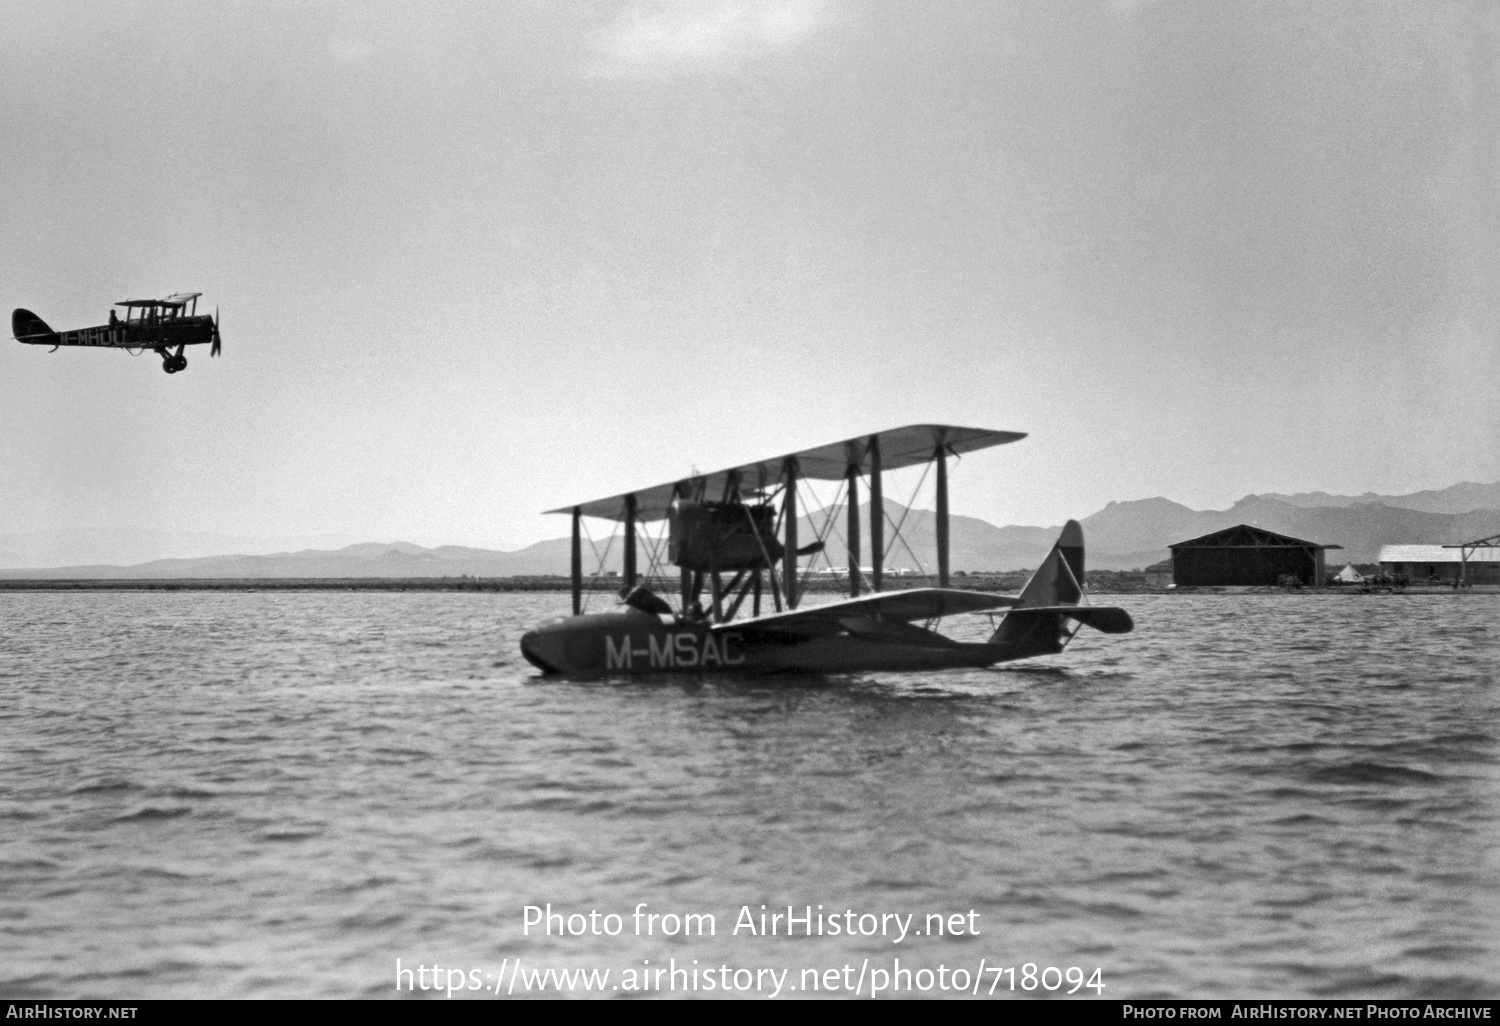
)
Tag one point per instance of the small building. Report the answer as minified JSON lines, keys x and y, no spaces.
{"x":1441,"y":564}
{"x":1349,"y":575}
{"x":1245,"y":555}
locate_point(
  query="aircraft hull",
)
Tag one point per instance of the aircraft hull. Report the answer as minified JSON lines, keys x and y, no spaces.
{"x":633,"y":643}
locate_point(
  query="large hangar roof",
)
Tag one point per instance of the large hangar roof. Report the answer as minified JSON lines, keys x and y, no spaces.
{"x":1244,"y":536}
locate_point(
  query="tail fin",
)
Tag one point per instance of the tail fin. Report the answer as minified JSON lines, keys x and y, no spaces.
{"x":25,"y":325}
{"x":1059,"y":580}
{"x":1039,"y":623}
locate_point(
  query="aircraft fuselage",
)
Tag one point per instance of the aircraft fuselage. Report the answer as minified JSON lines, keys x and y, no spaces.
{"x":633,"y":643}
{"x":130,"y":335}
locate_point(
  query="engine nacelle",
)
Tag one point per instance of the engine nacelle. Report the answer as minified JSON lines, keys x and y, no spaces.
{"x":722,"y":536}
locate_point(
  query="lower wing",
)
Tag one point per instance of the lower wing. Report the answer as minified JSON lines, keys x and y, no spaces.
{"x":893,"y":606}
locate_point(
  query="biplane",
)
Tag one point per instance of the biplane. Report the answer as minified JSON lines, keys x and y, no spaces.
{"x":164,"y":326}
{"x":733,"y":534}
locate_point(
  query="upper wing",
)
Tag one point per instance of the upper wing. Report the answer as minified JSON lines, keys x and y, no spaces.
{"x":899,"y":447}
{"x":176,"y":299}
{"x":897,"y":606}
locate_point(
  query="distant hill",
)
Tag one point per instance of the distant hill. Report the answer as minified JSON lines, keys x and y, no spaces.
{"x":974,"y":545}
{"x":1465,"y":497}
{"x":1138,"y":533}
{"x":117,"y":544}
{"x":367,"y":559}
{"x":1122,"y":536}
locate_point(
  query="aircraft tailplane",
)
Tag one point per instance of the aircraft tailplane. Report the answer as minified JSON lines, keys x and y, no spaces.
{"x":24,"y":323}
{"x":1059,"y":580}
{"x":1041,"y":623}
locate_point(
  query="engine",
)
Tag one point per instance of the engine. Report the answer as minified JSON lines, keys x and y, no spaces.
{"x":722,"y":536}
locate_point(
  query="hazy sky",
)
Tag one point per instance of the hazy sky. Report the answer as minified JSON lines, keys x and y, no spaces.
{"x":478,"y":260}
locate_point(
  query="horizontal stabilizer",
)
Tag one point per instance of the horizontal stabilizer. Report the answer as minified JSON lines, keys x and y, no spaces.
{"x":1109,"y":619}
{"x":1038,"y":626}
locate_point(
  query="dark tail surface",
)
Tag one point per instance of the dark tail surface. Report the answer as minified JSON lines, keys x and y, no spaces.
{"x":1039,"y":624}
{"x":1059,"y":580}
{"x":26,"y":326}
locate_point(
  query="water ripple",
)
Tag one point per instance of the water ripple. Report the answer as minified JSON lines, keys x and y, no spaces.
{"x":1252,"y":795}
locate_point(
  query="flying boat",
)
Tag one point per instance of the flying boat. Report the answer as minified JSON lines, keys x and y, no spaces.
{"x":733,"y":537}
{"x":164,"y":326}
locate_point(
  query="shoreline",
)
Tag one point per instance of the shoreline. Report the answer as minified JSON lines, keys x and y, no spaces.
{"x":594,"y":586}
{"x":1105,"y":582}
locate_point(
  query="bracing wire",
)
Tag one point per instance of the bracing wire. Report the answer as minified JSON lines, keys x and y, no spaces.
{"x":830,"y":525}
{"x":897,"y":536}
{"x":599,"y":560}
{"x":657,"y":551}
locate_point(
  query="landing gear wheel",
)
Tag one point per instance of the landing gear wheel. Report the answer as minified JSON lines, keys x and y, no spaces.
{"x":169,"y":365}
{"x":181,"y":363}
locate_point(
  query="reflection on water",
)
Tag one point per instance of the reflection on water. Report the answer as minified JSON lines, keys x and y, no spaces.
{"x":280,"y":794}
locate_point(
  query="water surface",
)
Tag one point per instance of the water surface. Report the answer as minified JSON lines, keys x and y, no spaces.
{"x":279,"y":794}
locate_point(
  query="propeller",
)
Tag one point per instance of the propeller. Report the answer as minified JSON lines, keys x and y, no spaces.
{"x":214,"y":350}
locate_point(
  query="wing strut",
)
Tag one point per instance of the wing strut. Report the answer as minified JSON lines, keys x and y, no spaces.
{"x":853,"y":529}
{"x":789,"y":507}
{"x":577,"y":560}
{"x":877,"y":516}
{"x":941,"y":457}
{"x":629,"y":544}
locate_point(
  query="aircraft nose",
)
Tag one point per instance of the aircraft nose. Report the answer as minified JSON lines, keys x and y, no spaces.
{"x":572,"y":646}
{"x":543,"y":649}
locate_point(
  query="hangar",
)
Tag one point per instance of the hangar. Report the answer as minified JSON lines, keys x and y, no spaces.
{"x":1476,"y":562}
{"x":1245,"y":555}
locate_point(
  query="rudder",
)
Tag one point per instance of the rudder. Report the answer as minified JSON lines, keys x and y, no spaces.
{"x":1059,"y":580}
{"x":1036,"y":625}
{"x":25,"y":325}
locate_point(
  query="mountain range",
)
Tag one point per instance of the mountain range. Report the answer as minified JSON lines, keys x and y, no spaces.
{"x":1122,"y":536}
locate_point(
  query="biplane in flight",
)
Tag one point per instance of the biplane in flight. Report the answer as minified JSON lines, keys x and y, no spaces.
{"x":164,"y":326}
{"x":733,"y":534}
